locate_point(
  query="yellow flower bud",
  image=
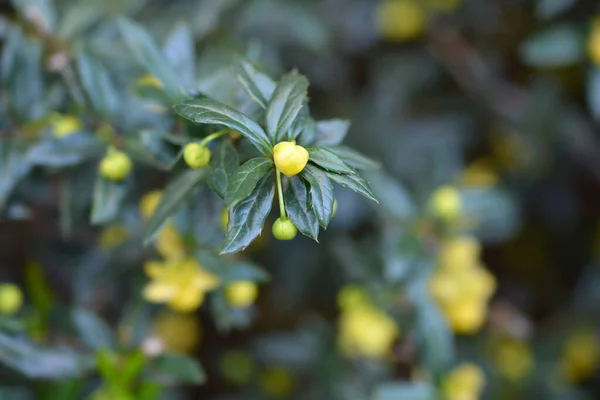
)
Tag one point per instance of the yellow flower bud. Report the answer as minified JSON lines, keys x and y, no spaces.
{"x":115,"y":165}
{"x":196,"y":155}
{"x":290,"y":158}
{"x":467,"y":316}
{"x":237,"y":366}
{"x":401,"y":20}
{"x":445,"y":203}
{"x":581,"y":356}
{"x":241,"y":294}
{"x":514,"y":360}
{"x":11,"y":298}
{"x":284,"y":229}
{"x":224,"y":219}
{"x":64,"y":125}
{"x":178,"y":332}
{"x":149,"y":202}
{"x":594,"y":43}
{"x":464,"y":382}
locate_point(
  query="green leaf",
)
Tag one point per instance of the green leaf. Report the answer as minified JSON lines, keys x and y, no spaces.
{"x":547,"y":9}
{"x":298,"y":208}
{"x":285,"y":104}
{"x":246,"y":218}
{"x":354,"y":182}
{"x":107,"y":200}
{"x":43,"y":10}
{"x":354,"y":158}
{"x":175,"y":194}
{"x":328,"y":160}
{"x":179,"y":369}
{"x":228,"y":271}
{"x":321,"y":192}
{"x":147,"y":53}
{"x":61,"y":152}
{"x":245,"y":178}
{"x":179,"y":49}
{"x":332,"y":132}
{"x":149,"y":147}
{"x":394,"y":197}
{"x":559,"y":46}
{"x":223,"y":164}
{"x":208,"y":111}
{"x":94,"y":332}
{"x":97,"y":85}
{"x":258,"y":85}
{"x":405,"y":391}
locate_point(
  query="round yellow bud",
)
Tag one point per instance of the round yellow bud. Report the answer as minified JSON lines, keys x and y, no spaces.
{"x":115,"y":166}
{"x":466,"y":317}
{"x":594,"y":43}
{"x":284,"y":229}
{"x":11,"y":298}
{"x":64,"y":125}
{"x":224,"y":219}
{"x":149,"y":202}
{"x":196,"y":155}
{"x":401,"y":20}
{"x":290,"y":159}
{"x":464,"y":382}
{"x":241,"y":294}
{"x":445,"y":203}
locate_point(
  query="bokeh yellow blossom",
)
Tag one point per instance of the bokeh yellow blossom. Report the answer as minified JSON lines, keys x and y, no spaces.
{"x":581,"y":356}
{"x":514,"y":359}
{"x":401,"y":20}
{"x":178,"y":332}
{"x":241,"y":294}
{"x":445,"y":203}
{"x":465,"y":382}
{"x":112,"y":236}
{"x":64,"y":125}
{"x":594,"y":42}
{"x":479,"y":173}
{"x":276,"y":382}
{"x":237,"y":366}
{"x":149,"y":202}
{"x":11,"y":298}
{"x":182,"y":284}
{"x":169,"y":243}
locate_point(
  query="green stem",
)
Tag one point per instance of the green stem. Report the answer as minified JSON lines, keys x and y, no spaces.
{"x":280,"y":194}
{"x":214,"y":136}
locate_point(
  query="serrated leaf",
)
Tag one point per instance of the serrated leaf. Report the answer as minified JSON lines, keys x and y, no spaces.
{"x":147,"y":53}
{"x":176,"y":192}
{"x":97,"y":85}
{"x":245,"y":178}
{"x":107,"y":200}
{"x":223,"y":165}
{"x":285,"y":104}
{"x":321,"y":192}
{"x":405,"y":391}
{"x":246,"y":218}
{"x":179,"y":49}
{"x":332,"y":132}
{"x":61,"y":152}
{"x":354,"y":182}
{"x":258,"y":85}
{"x":94,"y":332}
{"x":354,"y":158}
{"x":179,"y":369}
{"x":299,"y":209}
{"x":208,"y":111}
{"x":328,"y":160}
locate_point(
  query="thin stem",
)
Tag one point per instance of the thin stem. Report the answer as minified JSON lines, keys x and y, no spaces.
{"x":214,"y":136}
{"x":280,"y":194}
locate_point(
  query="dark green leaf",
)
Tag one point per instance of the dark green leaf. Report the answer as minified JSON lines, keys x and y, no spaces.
{"x":354,"y":158}
{"x":299,"y":210}
{"x":235,"y":271}
{"x":149,"y":147}
{"x":179,"y":49}
{"x":593,"y":92}
{"x":223,"y":165}
{"x":258,"y":85}
{"x":175,"y":194}
{"x":305,"y":129}
{"x":405,"y":391}
{"x":179,"y":369}
{"x":547,"y":9}
{"x":288,"y":98}
{"x":328,"y":160}
{"x":322,"y":193}
{"x":245,"y":178}
{"x":107,"y":200}
{"x":13,"y":168}
{"x":246,"y":218}
{"x":559,"y":46}
{"x":94,"y":332}
{"x":332,"y":132}
{"x":61,"y":152}
{"x":97,"y":85}
{"x":208,"y":111}
{"x":354,"y":182}
{"x":393,"y":197}
{"x":147,"y":53}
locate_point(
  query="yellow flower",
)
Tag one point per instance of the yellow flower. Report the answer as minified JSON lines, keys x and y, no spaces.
{"x":513,"y":359}
{"x":459,"y":253}
{"x":581,"y":356}
{"x":465,"y":382}
{"x":445,"y":203}
{"x":479,"y":173}
{"x":149,"y":202}
{"x":290,"y":158}
{"x":367,"y":332}
{"x":64,"y":125}
{"x":150,"y":80}
{"x":11,"y":298}
{"x":594,"y":42}
{"x":352,"y":296}
{"x":401,"y":20}
{"x":465,"y":316}
{"x":169,"y":242}
{"x":112,"y":236}
{"x":180,"y":333}
{"x":241,"y":294}
{"x":237,"y":367}
{"x":115,"y":166}
{"x":277,"y":382}
{"x":180,"y":283}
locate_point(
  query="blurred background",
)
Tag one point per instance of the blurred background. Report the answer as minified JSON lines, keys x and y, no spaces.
{"x":477,"y":275}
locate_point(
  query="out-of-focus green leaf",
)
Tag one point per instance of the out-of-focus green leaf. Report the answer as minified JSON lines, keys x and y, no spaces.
{"x":107,"y":200}
{"x":285,"y":104}
{"x":328,"y":160}
{"x":207,"y":111}
{"x":245,"y":178}
{"x":176,"y":192}
{"x":331,"y":132}
{"x":236,"y":271}
{"x":61,"y":152}
{"x":354,"y":158}
{"x":557,"y":46}
{"x":405,"y":391}
{"x":223,"y":164}
{"x":258,"y":85}
{"x":246,"y":218}
{"x":13,"y":167}
{"x":147,"y":53}
{"x":178,"y":369}
{"x":392,"y":196}
{"x":547,"y":9}
{"x":93,"y":331}
{"x":321,"y":192}
{"x":41,"y":12}
{"x":97,"y":85}
{"x":354,"y":182}
{"x":299,"y":209}
{"x":180,"y":50}
{"x":149,"y":147}
{"x":593,"y":92}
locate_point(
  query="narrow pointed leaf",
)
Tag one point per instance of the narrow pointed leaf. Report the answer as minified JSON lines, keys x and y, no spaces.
{"x":354,"y":158}
{"x":180,"y":51}
{"x":245,"y":178}
{"x":97,"y":85}
{"x":354,"y":182}
{"x":107,"y":200}
{"x":321,"y":192}
{"x":223,"y":165}
{"x":287,"y":101}
{"x":332,"y":132}
{"x":297,"y":205}
{"x":258,"y":85}
{"x":326,"y":159}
